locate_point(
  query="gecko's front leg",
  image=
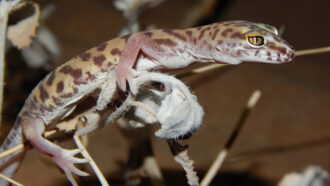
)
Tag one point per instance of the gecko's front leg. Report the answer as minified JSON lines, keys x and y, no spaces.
{"x":33,"y":129}
{"x":137,"y":43}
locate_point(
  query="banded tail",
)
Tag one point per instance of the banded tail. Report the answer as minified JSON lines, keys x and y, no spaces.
{"x":10,"y":164}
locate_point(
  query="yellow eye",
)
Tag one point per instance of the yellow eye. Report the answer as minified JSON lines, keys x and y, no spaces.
{"x":255,"y":39}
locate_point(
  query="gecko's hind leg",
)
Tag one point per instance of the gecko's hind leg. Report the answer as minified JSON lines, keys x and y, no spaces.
{"x":33,"y":129}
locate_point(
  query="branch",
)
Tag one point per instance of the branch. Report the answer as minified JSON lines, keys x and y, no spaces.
{"x":5,"y":8}
{"x":223,"y":153}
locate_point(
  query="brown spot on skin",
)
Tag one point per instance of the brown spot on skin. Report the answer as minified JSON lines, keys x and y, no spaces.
{"x":101,"y":47}
{"x":220,"y":42}
{"x":203,"y":31}
{"x":75,"y":90}
{"x":57,"y":101}
{"x":75,"y":73}
{"x":148,"y":34}
{"x":225,"y":32}
{"x":166,"y":42}
{"x":281,"y":49}
{"x":238,"y":35}
{"x":268,"y":53}
{"x":67,"y":95}
{"x":125,"y":37}
{"x":85,"y":56}
{"x":257,"y":52}
{"x":269,"y":58}
{"x":215,"y":33}
{"x":35,"y":99}
{"x":48,"y":109}
{"x":98,"y":60}
{"x":116,"y":51}
{"x":189,"y":33}
{"x":33,"y":105}
{"x":51,"y":78}
{"x":59,"y":87}
{"x":272,"y":46}
{"x":199,"y":28}
{"x":175,"y":34}
{"x":194,"y":41}
{"x":66,"y":69}
{"x":43,"y":93}
{"x":90,"y":76}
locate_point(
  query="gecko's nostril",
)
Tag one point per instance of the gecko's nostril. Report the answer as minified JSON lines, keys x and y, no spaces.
{"x":291,"y":54}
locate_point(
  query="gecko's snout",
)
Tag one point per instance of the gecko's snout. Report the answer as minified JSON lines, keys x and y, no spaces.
{"x":289,"y":55}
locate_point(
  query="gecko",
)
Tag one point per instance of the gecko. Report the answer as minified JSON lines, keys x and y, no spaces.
{"x":121,"y":60}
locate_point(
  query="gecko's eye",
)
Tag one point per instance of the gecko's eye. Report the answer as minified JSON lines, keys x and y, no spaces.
{"x":255,"y":39}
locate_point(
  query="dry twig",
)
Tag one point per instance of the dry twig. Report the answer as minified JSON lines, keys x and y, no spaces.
{"x":223,"y":153}
{"x":10,"y":180}
{"x":86,"y":155}
{"x":5,"y":8}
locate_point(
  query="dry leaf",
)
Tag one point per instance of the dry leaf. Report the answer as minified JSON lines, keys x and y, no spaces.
{"x":21,"y":33}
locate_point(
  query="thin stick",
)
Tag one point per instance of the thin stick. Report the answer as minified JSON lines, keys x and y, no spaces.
{"x":12,"y":150}
{"x":153,"y":171}
{"x":10,"y":180}
{"x":313,"y":51}
{"x":86,"y":155}
{"x":5,"y":8}
{"x":223,"y":153}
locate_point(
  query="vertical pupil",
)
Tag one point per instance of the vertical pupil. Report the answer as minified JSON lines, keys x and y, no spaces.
{"x":256,"y":40}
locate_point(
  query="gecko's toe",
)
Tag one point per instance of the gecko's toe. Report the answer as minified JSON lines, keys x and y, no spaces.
{"x":74,"y":151}
{"x":79,"y":160}
{"x":77,"y":171}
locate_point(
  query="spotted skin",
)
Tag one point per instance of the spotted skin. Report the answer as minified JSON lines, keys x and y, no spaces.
{"x":224,"y":42}
{"x":121,"y":58}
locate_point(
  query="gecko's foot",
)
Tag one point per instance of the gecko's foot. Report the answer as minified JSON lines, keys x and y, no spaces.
{"x":66,"y":160}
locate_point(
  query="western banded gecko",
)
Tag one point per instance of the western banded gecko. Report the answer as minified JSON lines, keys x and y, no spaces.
{"x":122,"y":59}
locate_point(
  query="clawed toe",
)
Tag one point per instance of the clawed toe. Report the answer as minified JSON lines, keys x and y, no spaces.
{"x":77,"y":171}
{"x":66,"y":160}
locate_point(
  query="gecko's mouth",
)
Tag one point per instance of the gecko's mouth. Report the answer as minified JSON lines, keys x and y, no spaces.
{"x":275,"y":57}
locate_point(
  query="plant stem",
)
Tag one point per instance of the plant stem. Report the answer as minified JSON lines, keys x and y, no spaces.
{"x":4,"y":14}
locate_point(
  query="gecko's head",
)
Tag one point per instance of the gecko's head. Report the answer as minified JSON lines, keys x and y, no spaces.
{"x":247,"y":41}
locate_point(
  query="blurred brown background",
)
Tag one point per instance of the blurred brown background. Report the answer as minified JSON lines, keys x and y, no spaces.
{"x":288,"y":130}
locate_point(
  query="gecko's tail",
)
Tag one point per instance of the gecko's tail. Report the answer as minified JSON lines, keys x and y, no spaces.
{"x":10,"y":163}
